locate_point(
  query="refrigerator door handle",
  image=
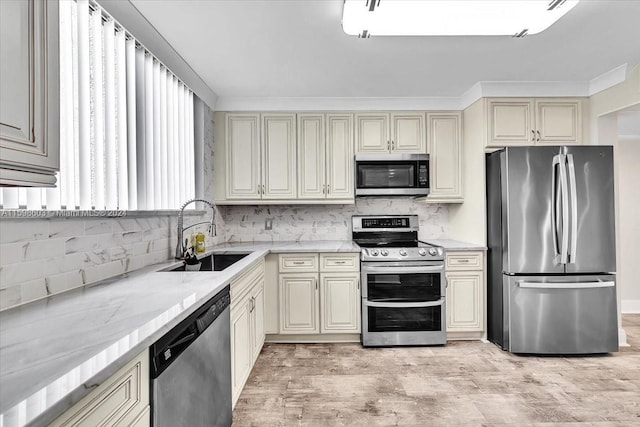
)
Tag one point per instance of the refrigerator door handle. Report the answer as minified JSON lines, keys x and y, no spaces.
{"x":574,"y":209}
{"x":564,"y":188}
{"x":565,"y":285}
{"x":560,"y":203}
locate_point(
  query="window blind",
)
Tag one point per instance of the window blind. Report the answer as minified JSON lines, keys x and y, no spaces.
{"x":126,"y":123}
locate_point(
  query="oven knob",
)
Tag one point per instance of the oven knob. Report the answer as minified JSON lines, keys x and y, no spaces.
{"x":433,"y":252}
{"x":422,"y":252}
{"x":374,"y":252}
{"x":403,"y":252}
{"x":384,"y":252}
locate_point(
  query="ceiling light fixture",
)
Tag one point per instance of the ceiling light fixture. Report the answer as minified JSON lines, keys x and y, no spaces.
{"x":517,"y":18}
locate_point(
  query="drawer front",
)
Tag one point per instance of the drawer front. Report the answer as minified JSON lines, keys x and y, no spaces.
{"x":339,"y":262}
{"x":118,"y":401}
{"x":460,"y":261}
{"x":298,"y":263}
{"x":242,"y":284}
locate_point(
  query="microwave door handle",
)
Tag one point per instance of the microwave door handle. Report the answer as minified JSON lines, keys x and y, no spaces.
{"x":574,"y":209}
{"x":404,"y":304}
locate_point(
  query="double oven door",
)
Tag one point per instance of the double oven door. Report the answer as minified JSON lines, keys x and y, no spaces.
{"x":403,"y":303}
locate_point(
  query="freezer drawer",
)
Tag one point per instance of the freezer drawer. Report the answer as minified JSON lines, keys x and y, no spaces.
{"x":561,"y":314}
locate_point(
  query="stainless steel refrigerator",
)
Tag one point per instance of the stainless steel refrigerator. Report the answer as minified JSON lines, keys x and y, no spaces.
{"x":551,"y":261}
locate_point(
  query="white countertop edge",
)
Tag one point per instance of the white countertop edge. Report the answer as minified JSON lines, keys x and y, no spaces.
{"x":450,"y":245}
{"x":258,"y":251}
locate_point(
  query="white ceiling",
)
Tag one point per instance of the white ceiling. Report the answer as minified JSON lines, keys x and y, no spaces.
{"x":296,"y":48}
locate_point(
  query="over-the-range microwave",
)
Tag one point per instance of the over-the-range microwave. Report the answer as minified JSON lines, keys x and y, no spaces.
{"x":392,"y":174}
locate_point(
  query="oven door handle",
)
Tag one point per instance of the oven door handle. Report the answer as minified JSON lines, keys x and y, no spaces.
{"x":404,"y":304}
{"x":404,"y":269}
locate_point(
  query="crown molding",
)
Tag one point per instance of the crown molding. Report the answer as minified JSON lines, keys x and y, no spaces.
{"x":503,"y":89}
{"x":608,"y":79}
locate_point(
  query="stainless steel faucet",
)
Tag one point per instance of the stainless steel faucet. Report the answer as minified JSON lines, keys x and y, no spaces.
{"x":182,"y":246}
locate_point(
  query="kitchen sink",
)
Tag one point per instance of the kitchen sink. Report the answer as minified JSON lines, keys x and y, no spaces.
{"x":215,"y":262}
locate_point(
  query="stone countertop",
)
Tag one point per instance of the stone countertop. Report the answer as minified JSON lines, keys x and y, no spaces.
{"x":456,"y":245}
{"x":54,"y":351}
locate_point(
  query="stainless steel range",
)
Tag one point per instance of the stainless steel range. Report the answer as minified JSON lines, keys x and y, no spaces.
{"x":403,"y":285}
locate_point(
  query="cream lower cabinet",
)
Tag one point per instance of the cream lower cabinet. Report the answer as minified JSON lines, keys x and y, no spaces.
{"x":465,"y":274}
{"x":29,"y":93}
{"x":444,"y":146}
{"x":319,"y":293}
{"x":247,"y":326}
{"x":340,"y":302}
{"x":122,"y":400}
{"x":299,"y":303}
{"x":536,"y":121}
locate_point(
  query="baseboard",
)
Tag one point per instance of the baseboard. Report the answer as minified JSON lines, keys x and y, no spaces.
{"x":629,"y":306}
{"x":622,"y":338}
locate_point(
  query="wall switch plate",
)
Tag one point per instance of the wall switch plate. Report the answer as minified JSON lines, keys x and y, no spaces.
{"x":268,"y":223}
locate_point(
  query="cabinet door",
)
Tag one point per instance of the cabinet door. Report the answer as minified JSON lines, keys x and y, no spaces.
{"x":340,"y":302}
{"x":339,"y":154}
{"x":243,"y":156}
{"x":408,"y":133}
{"x":464,"y":301}
{"x":299,"y":304}
{"x":279,"y":156}
{"x":311,"y":157}
{"x":29,"y":82}
{"x":559,"y":122}
{"x":510,"y":122}
{"x":372,"y":133}
{"x":241,"y":355}
{"x":445,"y":157}
{"x":258,"y":319}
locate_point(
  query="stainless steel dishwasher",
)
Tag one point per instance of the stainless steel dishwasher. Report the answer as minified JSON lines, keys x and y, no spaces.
{"x":191,"y":369}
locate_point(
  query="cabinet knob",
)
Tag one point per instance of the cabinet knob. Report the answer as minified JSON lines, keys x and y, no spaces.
{"x":533,"y":135}
{"x":538,"y":140}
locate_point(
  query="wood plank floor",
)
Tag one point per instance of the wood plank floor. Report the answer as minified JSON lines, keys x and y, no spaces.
{"x":460,"y":384}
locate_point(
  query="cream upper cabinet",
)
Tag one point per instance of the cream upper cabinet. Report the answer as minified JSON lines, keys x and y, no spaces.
{"x":444,"y":146}
{"x":260,"y":157}
{"x":311,"y":156}
{"x":325,"y":156}
{"x":390,"y":132}
{"x":559,"y":121}
{"x":372,"y":133}
{"x":299,"y":303}
{"x":408,"y":133}
{"x":243,"y":156}
{"x":29,"y":93}
{"x":278,"y":156}
{"x":340,"y":302}
{"x":535,"y":121}
{"x":339,"y":155}
{"x":465,"y":274}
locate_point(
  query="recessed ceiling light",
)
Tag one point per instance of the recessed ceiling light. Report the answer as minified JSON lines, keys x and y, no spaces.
{"x":366,"y":18}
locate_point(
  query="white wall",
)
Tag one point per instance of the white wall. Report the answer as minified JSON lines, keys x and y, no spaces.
{"x":628,"y":162}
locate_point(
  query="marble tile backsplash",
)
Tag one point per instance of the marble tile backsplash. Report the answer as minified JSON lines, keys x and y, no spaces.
{"x":43,"y":257}
{"x":325,"y":222}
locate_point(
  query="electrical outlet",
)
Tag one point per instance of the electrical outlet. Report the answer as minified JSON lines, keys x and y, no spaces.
{"x":268,"y":223}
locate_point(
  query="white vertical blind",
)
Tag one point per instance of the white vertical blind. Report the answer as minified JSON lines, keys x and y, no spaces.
{"x":148,"y":127}
{"x":122,"y":168}
{"x":131,"y":124}
{"x":84,"y":106}
{"x":126,"y":123}
{"x":110,"y":123}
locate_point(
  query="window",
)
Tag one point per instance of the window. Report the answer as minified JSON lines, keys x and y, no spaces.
{"x":126,"y":123}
